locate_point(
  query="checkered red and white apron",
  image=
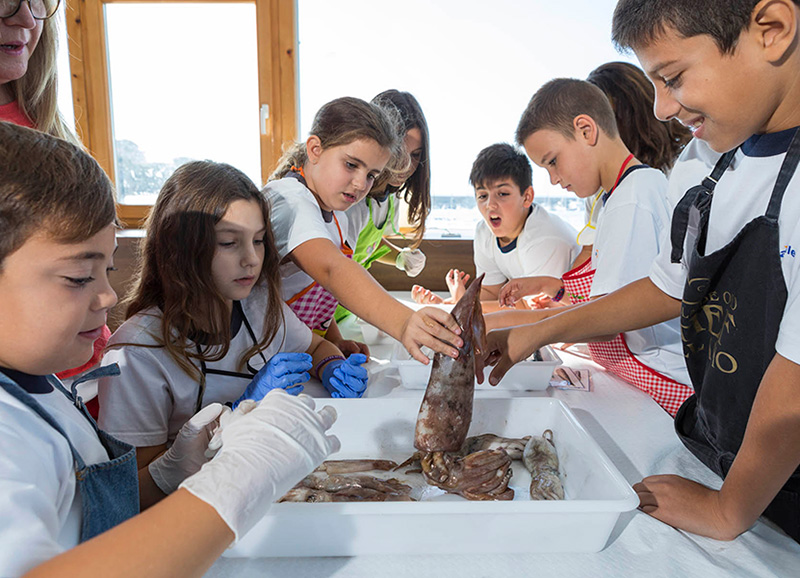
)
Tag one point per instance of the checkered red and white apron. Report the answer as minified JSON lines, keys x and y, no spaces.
{"x":315,"y":305}
{"x":615,"y":355}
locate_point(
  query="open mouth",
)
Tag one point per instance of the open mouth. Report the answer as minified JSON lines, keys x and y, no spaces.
{"x":694,"y":124}
{"x":349,"y":198}
{"x":495,"y":221}
{"x":12,"y":48}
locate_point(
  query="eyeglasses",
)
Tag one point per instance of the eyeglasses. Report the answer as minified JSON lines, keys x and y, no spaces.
{"x":40,"y":9}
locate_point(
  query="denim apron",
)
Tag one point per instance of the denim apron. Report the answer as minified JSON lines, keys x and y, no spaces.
{"x":732,"y":307}
{"x":109,"y":490}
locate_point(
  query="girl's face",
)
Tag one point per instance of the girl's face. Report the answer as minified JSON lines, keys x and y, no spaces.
{"x":413,"y":144}
{"x":54,"y":298}
{"x":19,"y":36}
{"x":239,"y":256}
{"x":341,"y":176}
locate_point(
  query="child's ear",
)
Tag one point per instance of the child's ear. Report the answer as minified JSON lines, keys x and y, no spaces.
{"x":586,"y":130}
{"x":774,"y":27}
{"x":527,"y":197}
{"x":313,"y":148}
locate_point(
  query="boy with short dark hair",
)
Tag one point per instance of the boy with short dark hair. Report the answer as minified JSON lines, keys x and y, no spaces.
{"x":517,"y":237}
{"x":727,"y":70}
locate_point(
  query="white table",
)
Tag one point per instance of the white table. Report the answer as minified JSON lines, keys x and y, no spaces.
{"x":638,"y":436}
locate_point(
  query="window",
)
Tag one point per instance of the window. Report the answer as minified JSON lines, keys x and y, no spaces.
{"x":473,"y":66}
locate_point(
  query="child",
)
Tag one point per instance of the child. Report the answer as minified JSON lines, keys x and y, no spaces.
{"x":28,"y":82}
{"x":728,"y":71}
{"x":350,"y":144}
{"x":569,"y":128}
{"x":517,"y":238}
{"x":205,"y":320}
{"x":62,"y":481}
{"x":377,"y":216}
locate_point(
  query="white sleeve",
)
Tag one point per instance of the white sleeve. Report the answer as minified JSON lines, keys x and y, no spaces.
{"x":668,"y":276}
{"x":546,"y":256}
{"x":788,"y":343}
{"x":31,"y":476}
{"x":136,"y":405}
{"x":484,"y":264}
{"x":626,"y":244}
{"x":295,"y":216}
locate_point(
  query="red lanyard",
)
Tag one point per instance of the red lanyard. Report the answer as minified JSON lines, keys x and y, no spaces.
{"x":619,"y":177}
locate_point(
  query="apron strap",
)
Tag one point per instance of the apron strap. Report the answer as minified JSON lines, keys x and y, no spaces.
{"x":785,"y":175}
{"x":680,"y":216}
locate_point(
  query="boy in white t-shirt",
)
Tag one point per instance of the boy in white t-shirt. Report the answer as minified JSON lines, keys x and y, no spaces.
{"x":516,"y":238}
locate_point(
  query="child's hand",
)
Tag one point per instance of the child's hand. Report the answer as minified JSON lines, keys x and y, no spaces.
{"x":507,"y":347}
{"x":516,"y":289}
{"x":346,"y":377}
{"x":685,"y":504}
{"x":457,"y":283}
{"x":431,"y":327}
{"x":348,"y":346}
{"x":425,"y":296}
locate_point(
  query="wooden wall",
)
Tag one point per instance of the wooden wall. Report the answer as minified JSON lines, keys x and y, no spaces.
{"x":442,"y":254}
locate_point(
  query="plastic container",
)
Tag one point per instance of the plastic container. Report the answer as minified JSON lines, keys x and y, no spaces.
{"x":524,"y":376}
{"x":596,"y":493}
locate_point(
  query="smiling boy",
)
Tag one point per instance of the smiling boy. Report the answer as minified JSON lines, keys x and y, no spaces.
{"x":517,"y":237}
{"x":728,"y":70}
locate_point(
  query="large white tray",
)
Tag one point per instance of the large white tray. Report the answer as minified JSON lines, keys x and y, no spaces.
{"x":524,"y":376}
{"x":596,"y":493}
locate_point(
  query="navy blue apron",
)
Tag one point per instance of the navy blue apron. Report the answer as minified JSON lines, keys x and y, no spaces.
{"x":109,"y":490}
{"x":732,"y":307}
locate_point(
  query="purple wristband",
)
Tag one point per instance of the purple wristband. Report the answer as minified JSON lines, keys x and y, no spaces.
{"x":323,"y":362}
{"x":559,"y":295}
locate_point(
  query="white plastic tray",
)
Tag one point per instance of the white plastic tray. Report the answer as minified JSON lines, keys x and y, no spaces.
{"x":596,"y":493}
{"x":524,"y":376}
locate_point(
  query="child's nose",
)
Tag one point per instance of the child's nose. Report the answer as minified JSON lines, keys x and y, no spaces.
{"x":106,"y":297}
{"x":665,"y":106}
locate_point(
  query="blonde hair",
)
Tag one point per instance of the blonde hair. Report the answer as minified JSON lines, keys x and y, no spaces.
{"x":36,"y":91}
{"x":343,"y":121}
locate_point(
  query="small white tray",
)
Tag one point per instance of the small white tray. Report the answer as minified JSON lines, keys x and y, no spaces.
{"x":596,"y":493}
{"x":524,"y":376}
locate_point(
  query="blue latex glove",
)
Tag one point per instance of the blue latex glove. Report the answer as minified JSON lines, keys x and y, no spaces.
{"x":285,"y":370}
{"x":346,"y":378}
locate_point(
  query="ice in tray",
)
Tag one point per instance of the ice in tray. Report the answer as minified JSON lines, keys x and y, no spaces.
{"x":530,"y":375}
{"x":596,"y":493}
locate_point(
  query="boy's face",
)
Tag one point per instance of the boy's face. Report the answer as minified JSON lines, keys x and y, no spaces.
{"x":240,"y":249}
{"x":54,"y":298}
{"x":569,"y":162}
{"x":504,"y":207}
{"x":722,"y":98}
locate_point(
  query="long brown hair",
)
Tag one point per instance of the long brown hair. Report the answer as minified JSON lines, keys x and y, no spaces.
{"x":342,"y":121}
{"x":175,"y":269}
{"x":416,"y":191}
{"x":631,"y":95}
{"x":35,"y":92}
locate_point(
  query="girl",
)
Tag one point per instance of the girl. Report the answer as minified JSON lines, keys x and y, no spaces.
{"x":68,"y":492}
{"x":28,"y":83}
{"x":377,"y":216}
{"x":350,"y":144}
{"x":205,"y":321}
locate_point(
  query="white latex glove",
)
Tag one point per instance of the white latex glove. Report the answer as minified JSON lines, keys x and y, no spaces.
{"x":244,"y":407}
{"x":187,"y":454}
{"x":264,"y":453}
{"x":412,"y":261}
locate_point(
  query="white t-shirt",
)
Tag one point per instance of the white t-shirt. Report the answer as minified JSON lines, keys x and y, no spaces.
{"x":40,"y":508}
{"x":153,"y":397}
{"x":545,"y":247}
{"x":295,"y":217}
{"x":629,"y":236}
{"x":742,"y":195}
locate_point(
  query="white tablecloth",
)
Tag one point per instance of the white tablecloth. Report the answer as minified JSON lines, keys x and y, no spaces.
{"x":638,"y":437}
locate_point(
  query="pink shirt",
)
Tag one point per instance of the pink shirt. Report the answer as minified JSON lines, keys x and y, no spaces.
{"x":11,"y":113}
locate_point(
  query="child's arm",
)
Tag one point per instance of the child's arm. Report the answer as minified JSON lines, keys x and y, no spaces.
{"x":358,"y":291}
{"x":634,"y":306}
{"x":513,"y":291}
{"x":769,"y":454}
{"x":346,"y":346}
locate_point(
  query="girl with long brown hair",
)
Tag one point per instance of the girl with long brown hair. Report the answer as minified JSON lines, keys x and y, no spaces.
{"x":350,"y":144}
{"x":205,"y":320}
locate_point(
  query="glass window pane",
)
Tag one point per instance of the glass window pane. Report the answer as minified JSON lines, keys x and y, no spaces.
{"x":184,"y":86}
{"x":65,"y":105}
{"x":473,"y":65}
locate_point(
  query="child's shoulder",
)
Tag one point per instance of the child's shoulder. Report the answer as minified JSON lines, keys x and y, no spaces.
{"x":140,"y":329}
{"x":541,"y":222}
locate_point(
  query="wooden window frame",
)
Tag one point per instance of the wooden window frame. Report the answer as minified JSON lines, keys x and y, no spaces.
{"x":276,"y":26}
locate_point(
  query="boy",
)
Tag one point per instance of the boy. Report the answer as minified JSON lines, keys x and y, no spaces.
{"x":62,"y":481}
{"x":516,"y":238}
{"x":569,"y":129}
{"x":729,"y":71}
